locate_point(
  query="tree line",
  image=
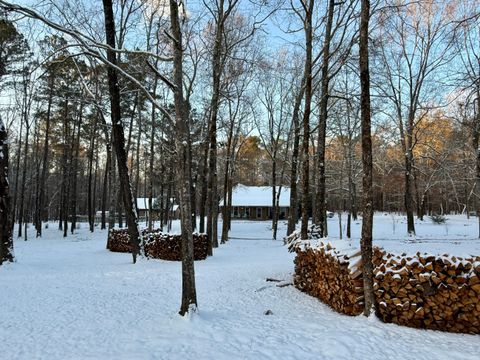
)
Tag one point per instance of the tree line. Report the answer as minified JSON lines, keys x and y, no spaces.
{"x":179,"y":103}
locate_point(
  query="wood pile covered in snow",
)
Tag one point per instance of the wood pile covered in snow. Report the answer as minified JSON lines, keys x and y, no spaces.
{"x":422,"y":291}
{"x":330,"y":275}
{"x":433,"y":292}
{"x":158,"y":245}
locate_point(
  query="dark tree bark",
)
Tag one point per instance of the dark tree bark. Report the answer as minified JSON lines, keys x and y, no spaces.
{"x":476,"y":149}
{"x":226,"y":211}
{"x":367,"y":223}
{"x":151,"y":162}
{"x":21,"y":210}
{"x":203,"y":196}
{"x":307,"y":23}
{"x":320,"y":217}
{"x":43,"y":177}
{"x":90,"y":204}
{"x":292,"y":215}
{"x":184,"y":163}
{"x":6,"y":237}
{"x":106,"y":188}
{"x":74,"y":175}
{"x":409,"y":174}
{"x":217,"y":69}
{"x":112,"y":186}
{"x":118,"y":133}
{"x":17,"y":177}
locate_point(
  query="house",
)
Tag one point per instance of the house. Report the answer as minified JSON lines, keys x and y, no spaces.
{"x":255,"y":202}
{"x":142,"y":209}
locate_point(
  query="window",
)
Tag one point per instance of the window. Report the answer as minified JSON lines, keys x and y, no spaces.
{"x":259,"y":213}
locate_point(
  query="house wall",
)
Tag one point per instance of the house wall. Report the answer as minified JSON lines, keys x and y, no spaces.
{"x":256,"y":212}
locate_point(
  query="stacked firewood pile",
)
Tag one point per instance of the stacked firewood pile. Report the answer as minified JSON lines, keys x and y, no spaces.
{"x":327,"y":274}
{"x":434,"y":292}
{"x":158,"y":245}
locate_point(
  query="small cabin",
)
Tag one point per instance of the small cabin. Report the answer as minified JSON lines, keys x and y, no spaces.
{"x":255,"y":203}
{"x":142,"y":209}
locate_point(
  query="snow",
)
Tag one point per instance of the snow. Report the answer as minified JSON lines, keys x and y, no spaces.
{"x":72,"y":299}
{"x":458,"y":236}
{"x":243,"y":195}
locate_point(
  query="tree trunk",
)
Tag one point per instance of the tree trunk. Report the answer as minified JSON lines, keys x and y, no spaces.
{"x":112,"y":185}
{"x":118,"y":134}
{"x":367,"y":223}
{"x":409,"y":175}
{"x":226,"y":208}
{"x":6,"y":237}
{"x":21,"y":211}
{"x":45,"y":169}
{"x":150,"y":168}
{"x":306,"y":117}
{"x":320,"y":218}
{"x":182,"y":132}
{"x":17,"y":177}
{"x":292,"y":215}
{"x":90,"y":205}
{"x":212,"y":190}
{"x":203,"y":197}
{"x":74,"y":174}
{"x":476,"y":148}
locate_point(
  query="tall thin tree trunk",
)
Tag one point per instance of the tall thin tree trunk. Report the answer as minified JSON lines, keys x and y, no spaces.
{"x":184,"y":163}
{"x":306,"y":118}
{"x":476,"y":148}
{"x":90,"y":205}
{"x":45,"y":168}
{"x":274,"y":196}
{"x":74,"y":174}
{"x":367,"y":223}
{"x":6,"y":236}
{"x":151,"y":162}
{"x":320,"y":217}
{"x":118,"y":134}
{"x":203,"y":196}
{"x":409,"y":175}
{"x":105,"y":189}
{"x":212,"y":192}
{"x":292,"y":214}
{"x":226,"y":180}
{"x":21,"y":211}
{"x":17,"y":177}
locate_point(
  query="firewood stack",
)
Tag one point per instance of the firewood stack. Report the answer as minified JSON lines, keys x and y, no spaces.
{"x":433,"y":292}
{"x":327,"y":274}
{"x":158,"y":245}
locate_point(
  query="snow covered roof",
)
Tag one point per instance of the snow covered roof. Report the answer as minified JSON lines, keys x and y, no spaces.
{"x":142,"y":203}
{"x":243,"y":195}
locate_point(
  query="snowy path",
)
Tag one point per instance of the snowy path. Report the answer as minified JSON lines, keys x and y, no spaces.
{"x":72,"y":299}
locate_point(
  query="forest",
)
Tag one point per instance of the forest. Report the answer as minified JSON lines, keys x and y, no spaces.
{"x":355,"y":106}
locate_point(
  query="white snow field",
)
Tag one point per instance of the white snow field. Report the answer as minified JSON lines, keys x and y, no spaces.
{"x":72,"y":299}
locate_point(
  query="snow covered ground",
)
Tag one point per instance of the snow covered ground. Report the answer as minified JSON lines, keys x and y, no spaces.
{"x":458,"y":236}
{"x":72,"y":299}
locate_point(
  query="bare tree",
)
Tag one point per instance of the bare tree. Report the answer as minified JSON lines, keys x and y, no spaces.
{"x":468,"y":46}
{"x":184,"y":163}
{"x":118,"y":134}
{"x":414,"y":42}
{"x":306,"y":16}
{"x":6,"y":238}
{"x":367,"y":222}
